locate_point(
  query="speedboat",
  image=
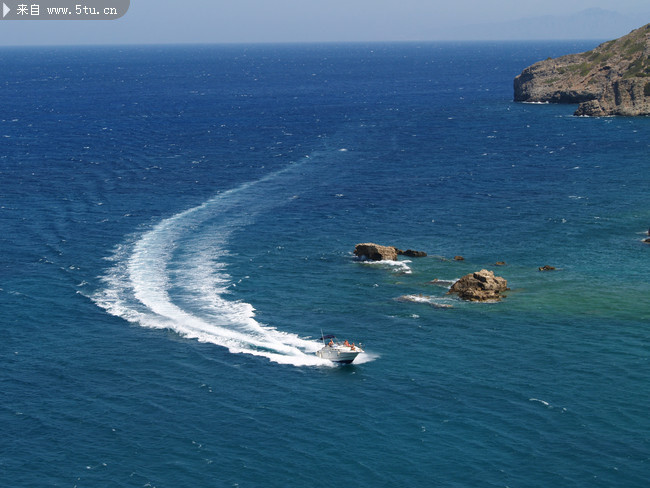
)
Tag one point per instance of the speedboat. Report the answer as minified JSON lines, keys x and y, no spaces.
{"x":338,"y":352}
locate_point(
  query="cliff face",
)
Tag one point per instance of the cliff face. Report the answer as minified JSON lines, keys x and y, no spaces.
{"x":613,"y":79}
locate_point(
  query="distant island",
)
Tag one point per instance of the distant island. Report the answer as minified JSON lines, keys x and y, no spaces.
{"x":612,"y":79}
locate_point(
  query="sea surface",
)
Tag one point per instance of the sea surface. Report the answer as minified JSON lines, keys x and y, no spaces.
{"x":178,"y":226}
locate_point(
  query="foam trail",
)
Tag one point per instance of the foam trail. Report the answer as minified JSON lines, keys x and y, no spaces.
{"x":173,"y":277}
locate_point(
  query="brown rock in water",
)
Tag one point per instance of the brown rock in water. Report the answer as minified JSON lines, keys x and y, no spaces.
{"x":412,"y":254}
{"x":480,"y":286}
{"x":459,"y":258}
{"x":375,"y":252}
{"x":612,"y":79}
{"x":500,"y":263}
{"x":546,"y":268}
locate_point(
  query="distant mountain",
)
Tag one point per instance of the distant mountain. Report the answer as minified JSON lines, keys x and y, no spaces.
{"x":593,"y":23}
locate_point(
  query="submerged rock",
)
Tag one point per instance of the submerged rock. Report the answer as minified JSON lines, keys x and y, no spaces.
{"x":412,"y":254}
{"x":612,"y":79}
{"x":438,"y":282}
{"x":480,"y":286}
{"x":375,"y":252}
{"x":546,"y":268}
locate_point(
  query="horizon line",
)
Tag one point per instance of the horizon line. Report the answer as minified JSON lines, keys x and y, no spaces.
{"x":301,"y":43}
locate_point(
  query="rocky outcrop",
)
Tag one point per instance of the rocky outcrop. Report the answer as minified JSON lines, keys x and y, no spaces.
{"x":376,"y":252}
{"x":480,"y":286}
{"x":412,"y":254}
{"x":612,"y":79}
{"x":546,"y":267}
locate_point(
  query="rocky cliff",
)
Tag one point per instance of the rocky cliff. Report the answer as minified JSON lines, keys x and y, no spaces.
{"x":612,"y":79}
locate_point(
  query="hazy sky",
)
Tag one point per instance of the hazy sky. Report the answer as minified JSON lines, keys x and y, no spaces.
{"x":227,"y":21}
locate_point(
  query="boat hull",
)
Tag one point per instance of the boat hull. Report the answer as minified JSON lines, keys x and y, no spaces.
{"x":338,"y":355}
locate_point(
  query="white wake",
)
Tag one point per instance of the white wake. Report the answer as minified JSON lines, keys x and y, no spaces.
{"x":174,"y":277}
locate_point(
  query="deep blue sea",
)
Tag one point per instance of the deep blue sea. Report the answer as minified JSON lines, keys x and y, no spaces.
{"x":177,"y":228}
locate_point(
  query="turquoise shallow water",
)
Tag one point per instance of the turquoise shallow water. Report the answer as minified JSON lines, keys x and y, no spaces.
{"x":179,"y":226}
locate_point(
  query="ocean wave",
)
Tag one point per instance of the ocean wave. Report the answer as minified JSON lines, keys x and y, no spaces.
{"x":435,"y":302}
{"x":401,"y":267}
{"x":545,"y":403}
{"x":174,"y":276}
{"x":366,"y":357}
{"x":443,"y":283}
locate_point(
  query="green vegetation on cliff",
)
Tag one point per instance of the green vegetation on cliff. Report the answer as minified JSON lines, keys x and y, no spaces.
{"x":611,"y":79}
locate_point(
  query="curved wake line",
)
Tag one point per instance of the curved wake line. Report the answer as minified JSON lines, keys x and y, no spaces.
{"x":173,"y":277}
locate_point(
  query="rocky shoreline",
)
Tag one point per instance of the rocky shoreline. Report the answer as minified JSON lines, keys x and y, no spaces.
{"x":612,"y":79}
